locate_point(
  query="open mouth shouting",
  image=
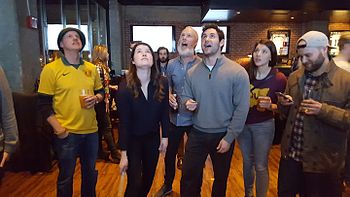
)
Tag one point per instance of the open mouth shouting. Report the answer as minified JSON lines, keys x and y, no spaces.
{"x":207,"y":45}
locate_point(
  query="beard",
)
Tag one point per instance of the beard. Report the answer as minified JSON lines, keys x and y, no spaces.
{"x":313,"y":66}
{"x":163,"y":60}
{"x":185,"y":51}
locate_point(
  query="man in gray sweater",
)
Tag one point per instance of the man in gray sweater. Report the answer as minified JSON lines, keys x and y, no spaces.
{"x":217,"y":92}
{"x":8,"y":124}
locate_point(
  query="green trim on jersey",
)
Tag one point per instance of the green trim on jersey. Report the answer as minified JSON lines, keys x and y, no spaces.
{"x":64,"y":83}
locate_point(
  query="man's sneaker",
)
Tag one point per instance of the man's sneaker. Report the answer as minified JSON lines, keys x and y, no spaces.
{"x":164,"y":191}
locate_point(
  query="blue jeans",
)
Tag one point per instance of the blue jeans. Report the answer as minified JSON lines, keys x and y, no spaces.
{"x":255,"y":142}
{"x":68,"y":149}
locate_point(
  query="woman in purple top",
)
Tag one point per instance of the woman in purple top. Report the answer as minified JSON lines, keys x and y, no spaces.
{"x":256,"y":138}
{"x":143,"y":107}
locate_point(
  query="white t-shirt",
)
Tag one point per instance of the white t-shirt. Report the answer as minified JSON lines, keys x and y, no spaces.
{"x":342,"y":63}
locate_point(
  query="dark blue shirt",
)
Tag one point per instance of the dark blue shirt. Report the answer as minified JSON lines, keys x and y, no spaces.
{"x":176,"y":73}
{"x":140,"y":116}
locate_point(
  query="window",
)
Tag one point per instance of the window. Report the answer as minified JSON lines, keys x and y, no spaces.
{"x":54,"y":29}
{"x":155,"y":36}
{"x":199,"y":32}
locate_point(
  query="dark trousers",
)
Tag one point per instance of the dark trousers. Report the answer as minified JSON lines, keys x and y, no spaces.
{"x":143,"y":156}
{"x":175,"y":135}
{"x":181,"y":150}
{"x":346,"y":175}
{"x":2,"y":171}
{"x":68,"y":149}
{"x":104,"y":128}
{"x":198,"y":146}
{"x":292,"y":180}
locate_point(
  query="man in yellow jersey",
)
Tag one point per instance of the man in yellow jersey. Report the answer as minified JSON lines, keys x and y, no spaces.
{"x":68,"y":90}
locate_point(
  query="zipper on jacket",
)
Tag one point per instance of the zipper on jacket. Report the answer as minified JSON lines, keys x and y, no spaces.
{"x":210,"y":71}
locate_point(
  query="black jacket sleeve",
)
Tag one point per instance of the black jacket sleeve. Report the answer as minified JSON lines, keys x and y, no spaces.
{"x":45,"y":105}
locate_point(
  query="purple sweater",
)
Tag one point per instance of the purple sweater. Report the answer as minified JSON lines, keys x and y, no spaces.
{"x":274,"y":82}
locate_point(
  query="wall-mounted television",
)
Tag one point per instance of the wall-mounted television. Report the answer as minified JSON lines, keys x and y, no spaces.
{"x":54,"y":29}
{"x":155,"y":36}
{"x":225,"y":29}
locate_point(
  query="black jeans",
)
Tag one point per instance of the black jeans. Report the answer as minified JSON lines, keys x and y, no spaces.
{"x":346,"y":175}
{"x":2,"y":171}
{"x":175,"y":135}
{"x":292,"y":180}
{"x":198,"y":146}
{"x":143,"y":157}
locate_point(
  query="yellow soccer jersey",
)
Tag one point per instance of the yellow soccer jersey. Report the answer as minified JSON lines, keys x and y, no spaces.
{"x":64,"y":83}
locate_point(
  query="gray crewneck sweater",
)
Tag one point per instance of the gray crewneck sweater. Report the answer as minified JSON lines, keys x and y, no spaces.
{"x":222,"y":95}
{"x":8,"y":123}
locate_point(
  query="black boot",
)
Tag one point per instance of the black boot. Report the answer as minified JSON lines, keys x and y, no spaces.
{"x":115,"y":155}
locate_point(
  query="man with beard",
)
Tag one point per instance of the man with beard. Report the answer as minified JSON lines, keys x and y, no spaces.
{"x":217,"y":92}
{"x":163,"y":59}
{"x":180,"y":118}
{"x":317,"y":104}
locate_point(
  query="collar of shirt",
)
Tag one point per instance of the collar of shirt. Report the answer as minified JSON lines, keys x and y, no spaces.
{"x":65,"y":62}
{"x":190,"y":62}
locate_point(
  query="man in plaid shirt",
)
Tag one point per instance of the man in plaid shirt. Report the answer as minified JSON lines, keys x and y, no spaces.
{"x":317,"y":104}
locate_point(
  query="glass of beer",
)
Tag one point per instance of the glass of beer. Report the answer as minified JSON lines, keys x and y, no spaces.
{"x":83,"y":94}
{"x":306,"y":95}
{"x":262,"y":99}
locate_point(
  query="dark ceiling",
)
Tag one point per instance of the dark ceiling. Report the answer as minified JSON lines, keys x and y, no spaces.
{"x":264,"y":10}
{"x":250,"y":4}
{"x":163,"y":2}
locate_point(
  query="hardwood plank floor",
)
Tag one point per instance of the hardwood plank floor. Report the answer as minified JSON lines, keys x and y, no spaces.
{"x":44,"y":184}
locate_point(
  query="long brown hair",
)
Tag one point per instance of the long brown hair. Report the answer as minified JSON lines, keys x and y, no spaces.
{"x":252,"y":68}
{"x":133,"y":82}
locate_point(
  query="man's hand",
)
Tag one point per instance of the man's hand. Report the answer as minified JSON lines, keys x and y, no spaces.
{"x":285,"y":101}
{"x":311,"y":107}
{"x":123,"y":165}
{"x":163,"y":145}
{"x":5,"y":157}
{"x":90,"y":101}
{"x":63,"y":134}
{"x":172,"y":101}
{"x":223,"y":146}
{"x":191,"y":105}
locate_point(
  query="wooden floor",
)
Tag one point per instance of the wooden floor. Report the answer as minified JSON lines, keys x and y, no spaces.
{"x":44,"y":184}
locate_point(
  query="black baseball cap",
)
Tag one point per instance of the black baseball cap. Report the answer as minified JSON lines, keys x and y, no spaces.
{"x":64,"y":31}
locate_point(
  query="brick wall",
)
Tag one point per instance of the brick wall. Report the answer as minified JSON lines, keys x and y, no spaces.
{"x":242,"y":36}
